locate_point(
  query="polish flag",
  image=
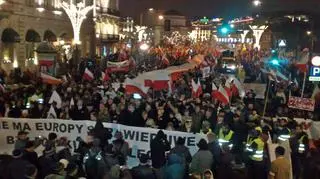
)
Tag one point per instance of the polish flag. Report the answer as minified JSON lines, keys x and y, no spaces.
{"x":50,"y":79}
{"x":237,"y":88}
{"x":133,"y":86}
{"x":157,"y":80}
{"x":214,"y":90}
{"x":88,"y":75}
{"x":165,"y":60}
{"x":227,"y":88}
{"x":302,"y":65}
{"x":221,"y":95}
{"x":105,"y":76}
{"x":196,"y":89}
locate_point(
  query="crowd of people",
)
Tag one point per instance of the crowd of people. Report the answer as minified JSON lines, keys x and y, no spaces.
{"x":234,"y":146}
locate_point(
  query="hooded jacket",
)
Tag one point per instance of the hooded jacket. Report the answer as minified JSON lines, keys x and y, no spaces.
{"x":174,"y":168}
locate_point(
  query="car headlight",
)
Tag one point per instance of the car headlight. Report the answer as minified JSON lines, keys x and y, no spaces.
{"x":232,"y":67}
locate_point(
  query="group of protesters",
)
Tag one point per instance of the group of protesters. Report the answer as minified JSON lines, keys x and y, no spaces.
{"x":235,"y":134}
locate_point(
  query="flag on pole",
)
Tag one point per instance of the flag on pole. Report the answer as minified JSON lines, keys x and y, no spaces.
{"x":52,"y":113}
{"x":133,"y":86}
{"x":227,"y":88}
{"x":165,"y":60}
{"x":221,"y":95}
{"x":105,"y":76}
{"x":55,"y":97}
{"x":88,"y":75}
{"x":50,"y":79}
{"x":196,"y":89}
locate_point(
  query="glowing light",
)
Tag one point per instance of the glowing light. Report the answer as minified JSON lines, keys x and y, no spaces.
{"x":144,"y":47}
{"x":151,"y":9}
{"x":257,"y":33}
{"x":309,"y":32}
{"x":56,"y":12}
{"x":2,"y":2}
{"x":40,"y":9}
{"x":232,"y":25}
{"x":256,"y":2}
{"x":224,"y":30}
{"x":15,"y":64}
{"x":161,"y":17}
{"x":77,"y":13}
{"x":316,"y":61}
{"x":275,"y":62}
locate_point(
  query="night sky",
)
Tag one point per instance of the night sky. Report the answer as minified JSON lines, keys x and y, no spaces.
{"x":211,"y":8}
{"x":190,"y":8}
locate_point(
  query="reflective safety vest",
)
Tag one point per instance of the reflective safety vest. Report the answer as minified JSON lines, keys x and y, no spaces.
{"x":257,"y":155}
{"x":285,"y":137}
{"x":302,"y":147}
{"x":225,"y":139}
{"x":250,"y":140}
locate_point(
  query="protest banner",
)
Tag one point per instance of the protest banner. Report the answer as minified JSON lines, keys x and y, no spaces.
{"x":138,"y":138}
{"x":301,"y":103}
{"x":259,"y":89}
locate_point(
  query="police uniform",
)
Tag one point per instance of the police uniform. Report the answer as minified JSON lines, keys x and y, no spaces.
{"x":225,"y":139}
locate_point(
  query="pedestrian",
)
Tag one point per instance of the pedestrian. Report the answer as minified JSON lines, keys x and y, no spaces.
{"x":29,"y":154}
{"x":17,"y":168}
{"x":280,"y":168}
{"x":215,"y":150}
{"x":22,"y":140}
{"x":182,"y":151}
{"x":203,"y":159}
{"x":174,"y":168}
{"x":159,"y":146}
{"x":144,"y":169}
{"x":120,"y":148}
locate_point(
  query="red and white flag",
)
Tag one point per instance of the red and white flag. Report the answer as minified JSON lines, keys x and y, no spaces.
{"x":165,"y":60}
{"x":196,"y":89}
{"x":227,"y":88}
{"x":133,"y":86}
{"x":302,"y":65}
{"x":221,"y":95}
{"x":50,"y":79}
{"x":88,"y":75}
{"x":105,"y":76}
{"x":237,"y":88}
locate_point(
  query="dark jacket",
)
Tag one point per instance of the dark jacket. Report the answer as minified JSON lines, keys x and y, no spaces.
{"x":183,"y":152}
{"x":215,"y":150}
{"x":143,"y":172}
{"x":174,"y":168}
{"x":159,"y":145}
{"x":17,"y":168}
{"x":31,"y":157}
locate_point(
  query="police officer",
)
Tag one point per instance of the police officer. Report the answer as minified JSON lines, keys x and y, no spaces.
{"x":256,"y":155}
{"x":283,"y":132}
{"x":299,"y":147}
{"x":226,"y":136}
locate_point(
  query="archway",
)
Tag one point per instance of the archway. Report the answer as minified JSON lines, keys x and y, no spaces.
{"x":9,"y":37}
{"x":49,"y":36}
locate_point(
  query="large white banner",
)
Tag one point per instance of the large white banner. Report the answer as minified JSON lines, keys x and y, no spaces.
{"x":138,"y":138}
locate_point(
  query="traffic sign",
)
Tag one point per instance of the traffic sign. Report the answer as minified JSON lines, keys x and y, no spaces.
{"x":314,"y":73}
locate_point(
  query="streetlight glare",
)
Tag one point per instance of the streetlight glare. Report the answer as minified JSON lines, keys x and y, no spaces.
{"x":256,"y":2}
{"x":161,"y":17}
{"x":151,"y":9}
{"x":309,"y":32}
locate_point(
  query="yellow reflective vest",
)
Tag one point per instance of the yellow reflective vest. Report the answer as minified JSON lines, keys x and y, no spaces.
{"x":225,"y":139}
{"x":257,"y":154}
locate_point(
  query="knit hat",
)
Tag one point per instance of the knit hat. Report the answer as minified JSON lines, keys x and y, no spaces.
{"x":16,"y":153}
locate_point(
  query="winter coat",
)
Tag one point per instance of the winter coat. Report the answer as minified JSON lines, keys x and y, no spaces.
{"x":201,"y":161}
{"x":174,"y":168}
{"x":183,"y":152}
{"x":159,"y":146}
{"x":20,"y":144}
{"x":143,"y":172}
{"x":31,"y":157}
{"x":17,"y":168}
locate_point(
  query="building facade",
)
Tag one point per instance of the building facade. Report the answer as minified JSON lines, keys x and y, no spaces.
{"x":26,"y":23}
{"x":204,"y":29}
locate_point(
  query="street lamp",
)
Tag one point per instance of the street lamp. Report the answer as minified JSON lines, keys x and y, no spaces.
{"x":2,"y":1}
{"x":256,"y":3}
{"x":161,"y":17}
{"x":309,"y":32}
{"x":151,"y":9}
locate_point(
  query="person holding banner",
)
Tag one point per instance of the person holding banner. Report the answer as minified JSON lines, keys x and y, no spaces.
{"x":159,"y":146}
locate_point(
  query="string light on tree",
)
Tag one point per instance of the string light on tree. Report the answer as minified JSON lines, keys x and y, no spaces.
{"x":77,"y":13}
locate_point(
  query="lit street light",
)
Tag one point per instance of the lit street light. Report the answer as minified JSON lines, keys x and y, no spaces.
{"x":161,"y":17}
{"x":256,"y":3}
{"x":309,"y":32}
{"x":151,"y":9}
